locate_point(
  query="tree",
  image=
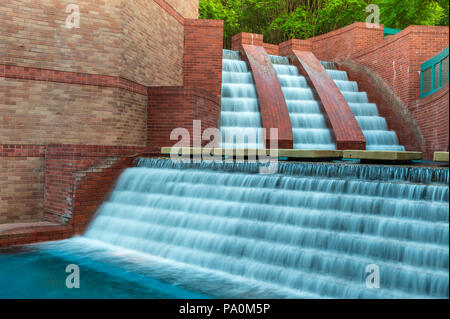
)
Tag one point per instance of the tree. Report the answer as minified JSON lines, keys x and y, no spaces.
{"x":400,"y":14}
{"x":279,"y":20}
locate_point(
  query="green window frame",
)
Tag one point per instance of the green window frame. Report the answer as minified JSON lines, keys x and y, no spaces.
{"x":439,"y":74}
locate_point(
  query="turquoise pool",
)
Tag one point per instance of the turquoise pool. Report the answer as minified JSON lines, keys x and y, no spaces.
{"x":39,"y":272}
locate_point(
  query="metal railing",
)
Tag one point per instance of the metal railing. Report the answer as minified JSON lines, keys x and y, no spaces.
{"x":434,"y":74}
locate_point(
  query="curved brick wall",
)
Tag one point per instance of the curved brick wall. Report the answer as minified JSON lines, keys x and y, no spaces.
{"x":432,"y":116}
{"x":397,"y":59}
{"x":346,"y":129}
{"x":389,"y":105}
{"x":390,"y":72}
{"x":272,"y":104}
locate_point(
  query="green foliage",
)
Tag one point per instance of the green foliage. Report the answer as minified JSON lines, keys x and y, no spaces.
{"x":399,"y":14}
{"x":279,"y":20}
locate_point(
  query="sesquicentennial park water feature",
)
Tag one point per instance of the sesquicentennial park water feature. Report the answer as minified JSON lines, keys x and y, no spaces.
{"x":222,"y":230}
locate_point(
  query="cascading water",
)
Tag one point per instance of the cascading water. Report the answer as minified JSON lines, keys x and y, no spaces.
{"x":240,"y":117}
{"x":374,"y":127}
{"x":310,"y":230}
{"x":309,"y":127}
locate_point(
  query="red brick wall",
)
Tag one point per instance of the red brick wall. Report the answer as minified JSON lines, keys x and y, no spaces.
{"x":393,"y":68}
{"x":40,"y":112}
{"x":203,"y":45}
{"x":21,"y":183}
{"x":272,"y":105}
{"x":389,"y":105}
{"x":178,"y":107}
{"x":431,"y":113}
{"x":141,"y":40}
{"x":285,"y":48}
{"x":187,"y":8}
{"x":67,"y":166}
{"x":21,"y":188}
{"x":397,"y":59}
{"x":271,"y":49}
{"x":345,"y":128}
{"x":346,"y":41}
{"x":152,"y":44}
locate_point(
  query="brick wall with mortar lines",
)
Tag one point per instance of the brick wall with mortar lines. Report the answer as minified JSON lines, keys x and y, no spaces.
{"x":38,"y":112}
{"x":33,"y":34}
{"x":432,"y":114}
{"x":187,"y":8}
{"x":390,"y":106}
{"x":203,"y":45}
{"x":397,"y":62}
{"x":77,"y":180}
{"x":152,"y":44}
{"x":346,"y":41}
{"x":111,"y":40}
{"x":21,"y":189}
{"x":67,"y":165}
{"x":92,"y":187}
{"x":177,"y":107}
{"x":398,"y":58}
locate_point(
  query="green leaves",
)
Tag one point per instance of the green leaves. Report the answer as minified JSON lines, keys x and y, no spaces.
{"x":280,"y":20}
{"x":399,"y":14}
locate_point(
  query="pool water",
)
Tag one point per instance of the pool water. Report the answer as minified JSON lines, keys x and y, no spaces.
{"x":39,"y":272}
{"x":222,"y":230}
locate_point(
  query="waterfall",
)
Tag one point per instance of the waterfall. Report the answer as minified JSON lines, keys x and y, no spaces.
{"x":309,"y":126}
{"x":310,"y":228}
{"x":240,"y":117}
{"x":374,"y":127}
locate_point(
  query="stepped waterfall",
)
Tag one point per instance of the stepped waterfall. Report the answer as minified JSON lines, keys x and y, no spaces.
{"x":374,"y":127}
{"x":309,"y":127}
{"x":310,"y":231}
{"x":241,"y":120}
{"x":240,"y":117}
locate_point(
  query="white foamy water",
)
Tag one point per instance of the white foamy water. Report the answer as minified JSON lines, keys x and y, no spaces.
{"x":240,"y":116}
{"x":374,"y":127}
{"x":309,"y":231}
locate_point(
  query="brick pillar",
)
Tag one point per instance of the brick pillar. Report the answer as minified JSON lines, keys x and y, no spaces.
{"x":203,"y":51}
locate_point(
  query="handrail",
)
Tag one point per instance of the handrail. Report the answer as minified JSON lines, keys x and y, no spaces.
{"x":439,"y":74}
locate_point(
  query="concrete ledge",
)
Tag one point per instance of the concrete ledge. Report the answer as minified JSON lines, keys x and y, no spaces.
{"x":290,"y":153}
{"x":441,"y":156}
{"x":382,"y":155}
{"x":310,"y":153}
